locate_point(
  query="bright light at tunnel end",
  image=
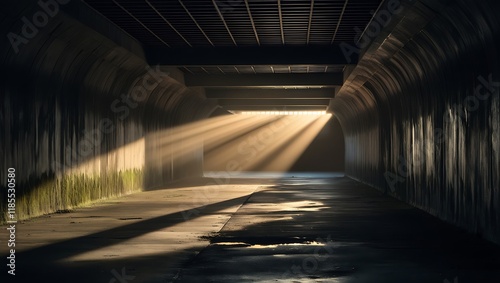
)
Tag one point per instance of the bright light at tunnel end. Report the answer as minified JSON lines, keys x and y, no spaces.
{"x":284,"y":113}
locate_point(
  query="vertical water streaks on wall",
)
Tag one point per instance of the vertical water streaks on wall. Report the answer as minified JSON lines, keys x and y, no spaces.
{"x":76,"y":111}
{"x":423,"y":121}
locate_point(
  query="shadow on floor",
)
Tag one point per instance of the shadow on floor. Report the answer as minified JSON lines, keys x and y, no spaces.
{"x":340,"y":232}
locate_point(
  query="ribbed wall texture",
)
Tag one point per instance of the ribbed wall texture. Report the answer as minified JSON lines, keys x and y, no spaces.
{"x":421,"y":115}
{"x":77,"y":113}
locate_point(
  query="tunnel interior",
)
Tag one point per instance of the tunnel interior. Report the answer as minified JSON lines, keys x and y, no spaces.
{"x":103,"y":99}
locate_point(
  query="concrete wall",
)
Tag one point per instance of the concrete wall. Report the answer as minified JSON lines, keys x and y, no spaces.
{"x":421,"y":115}
{"x":79,"y":113}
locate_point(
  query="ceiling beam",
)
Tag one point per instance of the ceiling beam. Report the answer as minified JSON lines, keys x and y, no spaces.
{"x":260,"y":55}
{"x":280,"y":16}
{"x":168,"y":23}
{"x":224,"y":21}
{"x":140,"y":22}
{"x":274,"y":102}
{"x":195,"y":22}
{"x":274,"y":108}
{"x":245,"y":93}
{"x":311,"y":12}
{"x":339,"y":22}
{"x":265,"y":80}
{"x":252,"y":22}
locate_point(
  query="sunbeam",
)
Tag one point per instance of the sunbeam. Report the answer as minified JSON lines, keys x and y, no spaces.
{"x":272,"y":147}
{"x":249,"y":141}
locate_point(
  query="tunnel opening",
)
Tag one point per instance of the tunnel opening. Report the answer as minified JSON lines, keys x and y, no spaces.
{"x":285,"y":142}
{"x":282,"y":113}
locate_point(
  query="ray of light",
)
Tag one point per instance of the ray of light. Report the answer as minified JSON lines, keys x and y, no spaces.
{"x":183,"y":141}
{"x":290,"y":152}
{"x":273,"y":147}
{"x":282,"y":113}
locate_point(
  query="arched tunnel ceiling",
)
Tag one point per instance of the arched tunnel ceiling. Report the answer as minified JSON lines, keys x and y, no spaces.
{"x":249,"y":54}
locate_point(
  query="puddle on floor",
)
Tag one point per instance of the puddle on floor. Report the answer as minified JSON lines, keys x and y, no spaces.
{"x":293,"y":242}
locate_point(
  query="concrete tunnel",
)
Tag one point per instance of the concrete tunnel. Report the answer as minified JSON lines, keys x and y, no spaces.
{"x":250,"y":141}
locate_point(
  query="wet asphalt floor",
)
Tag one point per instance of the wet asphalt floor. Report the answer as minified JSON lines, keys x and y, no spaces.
{"x":300,"y":228}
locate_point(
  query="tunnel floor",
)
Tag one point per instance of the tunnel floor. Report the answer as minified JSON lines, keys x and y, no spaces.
{"x":256,"y":228}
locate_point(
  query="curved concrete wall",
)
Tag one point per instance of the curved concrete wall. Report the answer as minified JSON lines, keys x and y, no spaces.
{"x":78,"y":114}
{"x":422,"y":114}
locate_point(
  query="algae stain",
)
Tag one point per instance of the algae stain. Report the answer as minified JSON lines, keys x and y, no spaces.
{"x":49,"y":195}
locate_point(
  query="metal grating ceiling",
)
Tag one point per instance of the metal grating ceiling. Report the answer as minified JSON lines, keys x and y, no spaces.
{"x":201,"y":23}
{"x":260,"y":69}
{"x":207,"y":25}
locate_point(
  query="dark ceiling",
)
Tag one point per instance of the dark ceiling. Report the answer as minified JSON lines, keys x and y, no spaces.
{"x":233,"y":41}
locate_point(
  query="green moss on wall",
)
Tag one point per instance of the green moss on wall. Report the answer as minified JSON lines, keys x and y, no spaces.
{"x":49,"y":195}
